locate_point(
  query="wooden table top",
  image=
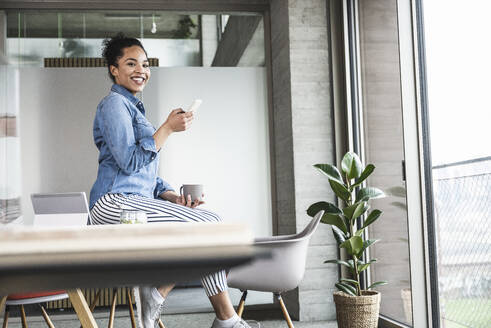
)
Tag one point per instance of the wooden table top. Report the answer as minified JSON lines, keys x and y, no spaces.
{"x":35,"y":258}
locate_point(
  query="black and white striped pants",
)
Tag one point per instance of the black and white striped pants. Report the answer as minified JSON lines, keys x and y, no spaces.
{"x":108,"y":208}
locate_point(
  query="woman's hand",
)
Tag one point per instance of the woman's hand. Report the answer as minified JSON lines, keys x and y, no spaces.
{"x":179,"y":120}
{"x":173,"y":197}
{"x":187,"y":202}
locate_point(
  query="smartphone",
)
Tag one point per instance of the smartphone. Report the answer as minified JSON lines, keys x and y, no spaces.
{"x":194,"y":106}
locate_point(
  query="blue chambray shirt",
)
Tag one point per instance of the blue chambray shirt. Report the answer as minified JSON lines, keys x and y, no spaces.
{"x":128,"y":158}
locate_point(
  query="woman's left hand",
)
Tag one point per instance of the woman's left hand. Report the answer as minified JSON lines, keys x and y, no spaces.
{"x":187,"y":201}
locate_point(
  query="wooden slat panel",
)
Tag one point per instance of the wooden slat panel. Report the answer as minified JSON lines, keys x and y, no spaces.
{"x":8,"y":126}
{"x":85,"y":62}
{"x":104,"y":299}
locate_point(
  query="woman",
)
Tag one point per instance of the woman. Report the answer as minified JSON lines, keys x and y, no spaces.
{"x":127,"y":176}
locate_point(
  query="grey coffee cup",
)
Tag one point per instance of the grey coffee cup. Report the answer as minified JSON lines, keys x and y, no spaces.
{"x":195,"y":190}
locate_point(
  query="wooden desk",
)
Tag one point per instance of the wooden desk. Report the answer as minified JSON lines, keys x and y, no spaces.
{"x":36,"y":259}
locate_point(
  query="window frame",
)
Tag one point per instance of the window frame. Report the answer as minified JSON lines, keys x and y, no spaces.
{"x":424,"y":284}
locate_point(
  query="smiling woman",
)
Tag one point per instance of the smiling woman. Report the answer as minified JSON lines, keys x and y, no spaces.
{"x":127,"y":66}
{"x":127,"y":176}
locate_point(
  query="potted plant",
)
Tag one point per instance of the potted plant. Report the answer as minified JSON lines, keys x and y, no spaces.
{"x":355,"y":307}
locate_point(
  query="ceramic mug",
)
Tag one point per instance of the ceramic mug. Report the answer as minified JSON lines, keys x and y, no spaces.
{"x":195,"y":190}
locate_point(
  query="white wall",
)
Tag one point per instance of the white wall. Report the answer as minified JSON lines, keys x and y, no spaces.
{"x":226,"y":149}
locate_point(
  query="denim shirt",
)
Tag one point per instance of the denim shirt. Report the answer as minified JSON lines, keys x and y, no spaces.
{"x":128,"y":158}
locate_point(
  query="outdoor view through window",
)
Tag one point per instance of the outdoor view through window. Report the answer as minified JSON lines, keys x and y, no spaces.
{"x":458,"y":70}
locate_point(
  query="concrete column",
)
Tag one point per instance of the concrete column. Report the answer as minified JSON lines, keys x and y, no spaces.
{"x":209,"y":38}
{"x":303,"y":127}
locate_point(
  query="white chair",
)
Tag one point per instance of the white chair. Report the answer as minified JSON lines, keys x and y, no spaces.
{"x":278,"y":274}
{"x":50,"y":210}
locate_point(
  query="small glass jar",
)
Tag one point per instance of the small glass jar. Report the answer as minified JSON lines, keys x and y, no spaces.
{"x":132,"y":217}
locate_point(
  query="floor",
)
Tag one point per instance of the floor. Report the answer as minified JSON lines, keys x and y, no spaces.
{"x":192,"y":320}
{"x":186,"y":308}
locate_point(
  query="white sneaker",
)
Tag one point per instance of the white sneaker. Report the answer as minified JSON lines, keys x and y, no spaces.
{"x":242,"y":324}
{"x":147,"y":308}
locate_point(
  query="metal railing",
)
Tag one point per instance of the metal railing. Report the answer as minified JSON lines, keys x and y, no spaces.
{"x":462,"y":195}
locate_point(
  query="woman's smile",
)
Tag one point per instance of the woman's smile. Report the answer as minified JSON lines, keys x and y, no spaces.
{"x":132,"y":71}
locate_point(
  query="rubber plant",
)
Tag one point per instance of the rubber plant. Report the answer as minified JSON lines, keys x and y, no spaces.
{"x":348,"y":232}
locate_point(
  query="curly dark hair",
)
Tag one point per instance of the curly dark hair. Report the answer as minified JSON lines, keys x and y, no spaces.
{"x":112,"y":50}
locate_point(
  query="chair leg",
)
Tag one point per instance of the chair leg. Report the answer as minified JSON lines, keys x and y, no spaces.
{"x":94,"y":301}
{"x":113,"y":309}
{"x":240,"y":308}
{"x":130,"y":308}
{"x":46,"y":317}
{"x":23,"y":316}
{"x":81,"y":308}
{"x":6,"y":317}
{"x":285,"y":311}
{"x":161,"y":324}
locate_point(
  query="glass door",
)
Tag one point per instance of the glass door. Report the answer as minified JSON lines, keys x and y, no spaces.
{"x":383,"y":145}
{"x":458,"y":70}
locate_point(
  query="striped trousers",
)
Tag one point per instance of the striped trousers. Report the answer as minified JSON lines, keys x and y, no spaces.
{"x":108,"y":208}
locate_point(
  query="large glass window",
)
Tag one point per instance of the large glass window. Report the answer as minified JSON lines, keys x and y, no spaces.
{"x":458,"y":69}
{"x":47,"y":114}
{"x":32,"y":36}
{"x":383,"y":146}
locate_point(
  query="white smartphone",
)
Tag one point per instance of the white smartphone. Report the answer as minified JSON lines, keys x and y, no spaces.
{"x":194,"y":106}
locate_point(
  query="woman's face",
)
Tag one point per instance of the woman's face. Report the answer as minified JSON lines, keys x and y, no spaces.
{"x":133,"y":71}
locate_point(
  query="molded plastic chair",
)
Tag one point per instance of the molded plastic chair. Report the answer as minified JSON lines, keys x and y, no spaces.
{"x":280,"y":273}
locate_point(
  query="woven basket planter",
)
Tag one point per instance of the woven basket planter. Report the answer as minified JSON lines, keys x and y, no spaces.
{"x":357,"y":311}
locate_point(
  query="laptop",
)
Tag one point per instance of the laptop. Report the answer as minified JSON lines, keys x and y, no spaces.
{"x":61,"y":209}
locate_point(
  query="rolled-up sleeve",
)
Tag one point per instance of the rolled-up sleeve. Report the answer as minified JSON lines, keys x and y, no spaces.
{"x":161,"y":187}
{"x":117,"y":128}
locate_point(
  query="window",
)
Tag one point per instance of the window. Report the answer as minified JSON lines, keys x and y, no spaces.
{"x":46,"y":114}
{"x":457,"y":66}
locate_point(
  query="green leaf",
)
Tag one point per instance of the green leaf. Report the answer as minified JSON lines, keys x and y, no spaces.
{"x":330,"y":170}
{"x":355,"y":210}
{"x":338,"y":234}
{"x":367,"y":193}
{"x":397,"y":191}
{"x":359,"y":232}
{"x":335,"y":220}
{"x":353,"y":245}
{"x":348,"y":210}
{"x":374,"y":215}
{"x":351,"y":266}
{"x":340,"y":190}
{"x":351,"y":165}
{"x":399,"y":205}
{"x":362,"y":266}
{"x":340,"y":262}
{"x":365,"y":174}
{"x":322,"y":206}
{"x":366,"y":244}
{"x":350,"y":281}
{"x":378,"y":283}
{"x":360,"y":210}
{"x":346,"y":288}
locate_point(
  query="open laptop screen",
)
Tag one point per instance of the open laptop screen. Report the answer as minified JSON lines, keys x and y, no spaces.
{"x":60,"y":209}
